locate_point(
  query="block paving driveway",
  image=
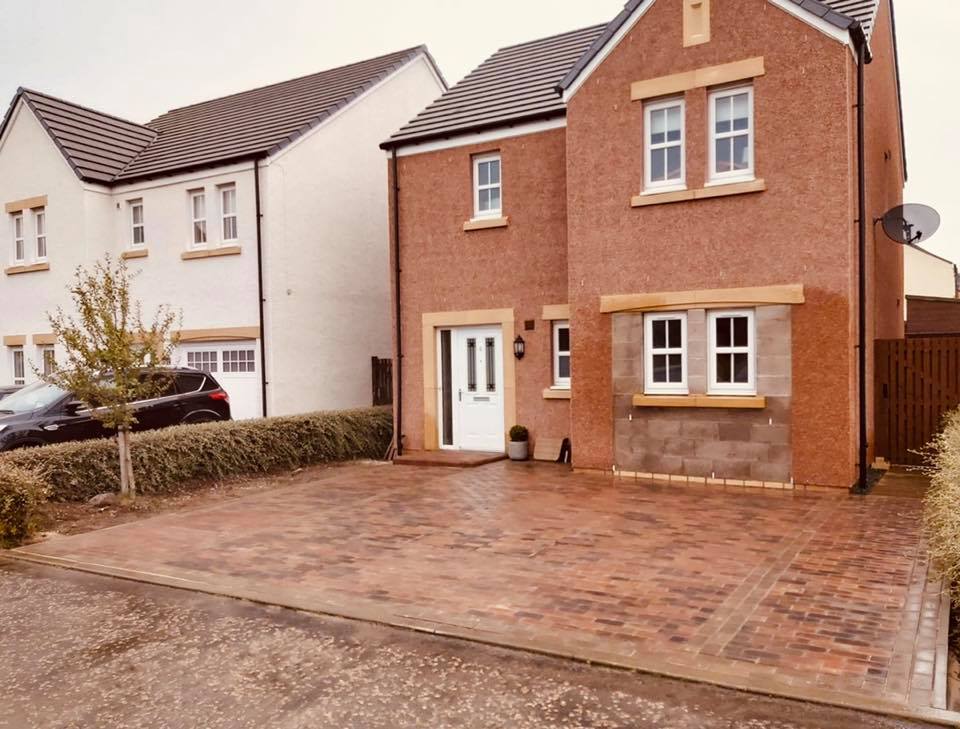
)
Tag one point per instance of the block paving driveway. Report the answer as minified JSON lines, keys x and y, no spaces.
{"x":820,"y":597}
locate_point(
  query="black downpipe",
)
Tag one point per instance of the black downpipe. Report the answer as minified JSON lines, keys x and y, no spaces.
{"x":260,"y":299}
{"x":398,"y":390}
{"x":861,"y":486}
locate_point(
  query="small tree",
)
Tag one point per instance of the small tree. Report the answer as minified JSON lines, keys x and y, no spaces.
{"x":112,"y":359}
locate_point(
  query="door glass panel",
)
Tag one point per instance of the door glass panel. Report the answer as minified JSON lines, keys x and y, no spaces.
{"x":446,"y":379}
{"x":491,"y":365}
{"x":471,"y":365}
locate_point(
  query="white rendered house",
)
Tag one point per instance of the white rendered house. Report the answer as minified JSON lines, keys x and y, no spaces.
{"x":285,"y":308}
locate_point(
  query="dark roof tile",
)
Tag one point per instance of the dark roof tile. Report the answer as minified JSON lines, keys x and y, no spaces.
{"x":515,"y":84}
{"x":106,"y":149}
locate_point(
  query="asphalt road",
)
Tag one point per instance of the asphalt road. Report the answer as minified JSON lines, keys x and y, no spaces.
{"x":78,"y":650}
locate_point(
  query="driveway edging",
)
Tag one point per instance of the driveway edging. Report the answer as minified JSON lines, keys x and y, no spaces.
{"x":650,"y":665}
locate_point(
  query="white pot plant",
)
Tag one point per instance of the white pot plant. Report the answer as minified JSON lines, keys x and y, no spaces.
{"x":517,"y":447}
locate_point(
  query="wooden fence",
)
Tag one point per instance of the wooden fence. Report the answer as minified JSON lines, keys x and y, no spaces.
{"x":382,"y":381}
{"x":917,"y":381}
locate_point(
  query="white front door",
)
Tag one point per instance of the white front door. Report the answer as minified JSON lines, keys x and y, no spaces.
{"x":471,"y":388}
{"x":235,"y":365}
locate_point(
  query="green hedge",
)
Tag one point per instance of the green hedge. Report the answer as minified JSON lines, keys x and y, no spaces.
{"x":20,"y":494}
{"x":165,"y":460}
{"x":942,"y":507}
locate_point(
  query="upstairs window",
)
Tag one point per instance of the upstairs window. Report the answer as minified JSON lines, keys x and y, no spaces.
{"x":664,"y":156}
{"x":731,"y":134}
{"x":732,"y":367}
{"x":487,"y":187}
{"x":665,"y":362}
{"x":198,"y":211}
{"x":18,"y":365}
{"x":561,"y":354}
{"x":228,"y":212}
{"x":40,"y":233}
{"x":19,"y":251}
{"x":137,"y":232}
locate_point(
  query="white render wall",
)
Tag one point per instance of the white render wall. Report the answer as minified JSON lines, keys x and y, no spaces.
{"x":927,"y":275}
{"x":31,"y":165}
{"x":326,"y":232}
{"x":325,"y":238}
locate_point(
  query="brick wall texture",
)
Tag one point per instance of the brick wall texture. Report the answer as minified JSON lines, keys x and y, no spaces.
{"x":574,"y":237}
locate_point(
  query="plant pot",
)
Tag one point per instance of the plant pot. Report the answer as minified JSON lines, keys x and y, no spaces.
{"x":517,"y":450}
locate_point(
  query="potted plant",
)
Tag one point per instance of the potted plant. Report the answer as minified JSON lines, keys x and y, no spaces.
{"x":517,"y":447}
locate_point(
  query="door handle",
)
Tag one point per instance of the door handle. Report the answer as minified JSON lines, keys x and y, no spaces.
{"x":52,"y":426}
{"x":460,"y":395}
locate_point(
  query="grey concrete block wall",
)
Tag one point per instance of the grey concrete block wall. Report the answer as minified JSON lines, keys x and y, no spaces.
{"x":709,"y":442}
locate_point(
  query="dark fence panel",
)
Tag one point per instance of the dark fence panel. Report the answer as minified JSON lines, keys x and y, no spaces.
{"x":382,"y":381}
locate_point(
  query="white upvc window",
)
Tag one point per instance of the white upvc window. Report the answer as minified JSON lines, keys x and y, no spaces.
{"x":40,"y":233}
{"x":561,"y":354}
{"x":47,"y":356}
{"x":19,"y":249}
{"x":198,"y":213}
{"x":18,"y":366}
{"x":228,"y":212}
{"x":731,"y":134}
{"x":731,"y":352}
{"x":664,"y":153}
{"x":665,"y":350}
{"x":138,"y":235}
{"x":487,"y":186}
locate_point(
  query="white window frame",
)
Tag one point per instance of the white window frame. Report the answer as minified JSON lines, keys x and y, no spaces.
{"x":477,"y":161}
{"x":19,"y":251}
{"x":39,"y":215}
{"x":141,"y":226}
{"x":664,"y":388}
{"x":720,"y":178}
{"x":194,"y":243}
{"x":560,"y":383}
{"x":222,"y":191}
{"x":650,"y":185}
{"x":42,"y":351}
{"x":16,"y":353}
{"x":731,"y":388}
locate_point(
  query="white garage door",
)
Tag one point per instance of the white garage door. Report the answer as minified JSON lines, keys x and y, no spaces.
{"x":236,"y":366}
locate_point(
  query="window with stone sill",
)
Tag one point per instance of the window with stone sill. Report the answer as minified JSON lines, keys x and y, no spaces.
{"x":561,"y":355}
{"x":665,"y":353}
{"x":731,"y":353}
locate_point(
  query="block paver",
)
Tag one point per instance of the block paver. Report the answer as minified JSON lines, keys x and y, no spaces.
{"x":819,"y":596}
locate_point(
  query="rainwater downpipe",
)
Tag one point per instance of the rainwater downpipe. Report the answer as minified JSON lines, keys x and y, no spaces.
{"x":861,"y":45}
{"x":398,"y":390}
{"x":260,"y":298}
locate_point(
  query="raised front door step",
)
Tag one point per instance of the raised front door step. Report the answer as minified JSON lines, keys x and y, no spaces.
{"x":453,"y":459}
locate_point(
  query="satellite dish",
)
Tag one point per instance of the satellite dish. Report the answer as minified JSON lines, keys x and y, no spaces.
{"x":909,"y":224}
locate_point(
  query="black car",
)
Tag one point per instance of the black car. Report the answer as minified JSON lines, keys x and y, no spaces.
{"x":40,"y":414}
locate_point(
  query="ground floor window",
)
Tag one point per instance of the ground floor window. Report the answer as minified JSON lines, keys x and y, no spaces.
{"x":18,"y":365}
{"x":48,"y":359}
{"x":731,"y":356}
{"x":561,"y":354}
{"x":665,"y":353}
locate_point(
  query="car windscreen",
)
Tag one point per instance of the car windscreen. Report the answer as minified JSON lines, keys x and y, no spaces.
{"x":32,"y":397}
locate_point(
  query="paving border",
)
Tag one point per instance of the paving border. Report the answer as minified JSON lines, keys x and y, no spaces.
{"x":647,"y":663}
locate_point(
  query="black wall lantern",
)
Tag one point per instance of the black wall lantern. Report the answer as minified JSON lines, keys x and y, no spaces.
{"x":518,"y":347}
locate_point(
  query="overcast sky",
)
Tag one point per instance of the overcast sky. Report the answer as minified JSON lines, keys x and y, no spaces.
{"x":138,"y":58}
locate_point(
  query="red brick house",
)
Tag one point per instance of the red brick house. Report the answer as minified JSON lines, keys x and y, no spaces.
{"x":665,"y":209}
